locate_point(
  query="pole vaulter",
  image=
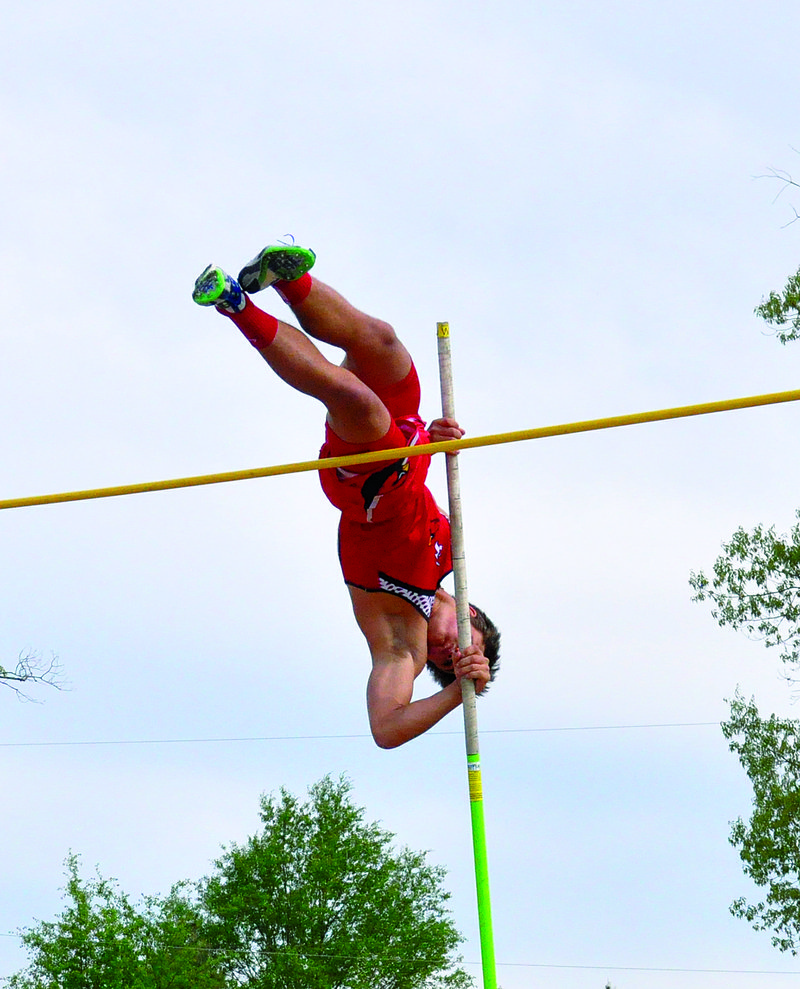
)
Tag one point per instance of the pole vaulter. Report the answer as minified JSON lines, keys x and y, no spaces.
{"x":394,"y":540}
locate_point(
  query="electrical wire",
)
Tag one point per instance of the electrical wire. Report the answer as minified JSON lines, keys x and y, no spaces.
{"x":540,"y":965}
{"x":316,"y":738}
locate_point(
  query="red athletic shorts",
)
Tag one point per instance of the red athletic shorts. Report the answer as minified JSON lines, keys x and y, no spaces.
{"x":393,"y":537}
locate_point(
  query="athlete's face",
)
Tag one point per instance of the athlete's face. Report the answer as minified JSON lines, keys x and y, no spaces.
{"x":443,"y":635}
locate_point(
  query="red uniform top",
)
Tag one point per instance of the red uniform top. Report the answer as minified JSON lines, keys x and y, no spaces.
{"x":393,"y":537}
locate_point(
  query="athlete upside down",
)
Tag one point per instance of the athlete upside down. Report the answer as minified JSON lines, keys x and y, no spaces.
{"x":394,"y":540}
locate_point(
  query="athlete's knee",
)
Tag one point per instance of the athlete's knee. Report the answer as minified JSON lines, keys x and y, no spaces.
{"x":383,"y":333}
{"x":375,"y":334}
{"x":355,"y":412}
{"x":347,"y":392}
{"x":376,"y":355}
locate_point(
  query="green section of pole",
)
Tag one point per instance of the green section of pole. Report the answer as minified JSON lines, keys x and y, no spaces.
{"x":467,"y":686}
{"x":481,"y":872}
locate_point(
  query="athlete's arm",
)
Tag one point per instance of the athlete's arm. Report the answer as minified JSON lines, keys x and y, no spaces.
{"x":397,"y":636}
{"x":393,"y":717}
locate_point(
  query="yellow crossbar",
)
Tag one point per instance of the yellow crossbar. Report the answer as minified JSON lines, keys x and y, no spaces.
{"x":466,"y":443}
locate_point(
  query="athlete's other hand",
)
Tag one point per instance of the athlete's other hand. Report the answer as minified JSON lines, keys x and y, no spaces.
{"x":445,"y":429}
{"x":473,"y":665}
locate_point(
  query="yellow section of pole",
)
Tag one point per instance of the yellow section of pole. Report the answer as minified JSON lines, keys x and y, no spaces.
{"x":447,"y":446}
{"x":467,"y":686}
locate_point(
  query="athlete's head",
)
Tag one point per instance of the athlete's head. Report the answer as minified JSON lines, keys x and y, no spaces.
{"x":441,"y":646}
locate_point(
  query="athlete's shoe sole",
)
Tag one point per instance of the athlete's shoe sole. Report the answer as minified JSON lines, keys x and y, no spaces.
{"x":215,"y":288}
{"x":277,"y":262}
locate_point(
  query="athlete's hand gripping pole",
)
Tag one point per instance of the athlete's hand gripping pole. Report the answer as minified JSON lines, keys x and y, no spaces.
{"x":467,"y":685}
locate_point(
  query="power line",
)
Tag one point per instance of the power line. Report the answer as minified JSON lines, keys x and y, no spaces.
{"x":314,"y":738}
{"x":644,"y":968}
{"x":590,"y":968}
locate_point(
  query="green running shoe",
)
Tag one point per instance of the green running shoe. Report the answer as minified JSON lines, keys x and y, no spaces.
{"x":214,"y":288}
{"x":278,"y":262}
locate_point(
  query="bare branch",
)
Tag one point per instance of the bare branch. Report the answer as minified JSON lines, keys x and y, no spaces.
{"x":32,"y":668}
{"x":787,"y":181}
{"x":796,"y":218}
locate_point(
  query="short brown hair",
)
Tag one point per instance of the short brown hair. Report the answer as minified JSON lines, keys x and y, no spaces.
{"x":491,"y":649}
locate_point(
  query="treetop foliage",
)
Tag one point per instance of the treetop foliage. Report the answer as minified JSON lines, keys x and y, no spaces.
{"x":102,"y":941}
{"x":320,"y":898}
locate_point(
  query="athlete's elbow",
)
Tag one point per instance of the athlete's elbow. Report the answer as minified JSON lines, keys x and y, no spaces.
{"x":389,"y":731}
{"x":387,"y":738}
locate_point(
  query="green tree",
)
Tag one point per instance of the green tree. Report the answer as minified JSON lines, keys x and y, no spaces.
{"x":769,"y":844}
{"x":102,"y":941}
{"x":319,"y":899}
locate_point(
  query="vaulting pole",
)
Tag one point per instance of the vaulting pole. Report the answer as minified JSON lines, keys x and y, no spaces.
{"x":467,"y":686}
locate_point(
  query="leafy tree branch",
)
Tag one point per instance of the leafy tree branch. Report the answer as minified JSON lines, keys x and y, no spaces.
{"x":769,"y":843}
{"x":755,"y":587}
{"x":782,"y":310}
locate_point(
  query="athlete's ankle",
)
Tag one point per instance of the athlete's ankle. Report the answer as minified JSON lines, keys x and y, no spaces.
{"x":259,"y":327}
{"x":294,"y":292}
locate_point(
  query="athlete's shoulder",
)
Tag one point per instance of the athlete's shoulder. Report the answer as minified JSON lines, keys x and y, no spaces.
{"x":390,"y":624}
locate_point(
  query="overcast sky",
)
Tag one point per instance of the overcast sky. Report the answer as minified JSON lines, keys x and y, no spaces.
{"x":574,"y":187}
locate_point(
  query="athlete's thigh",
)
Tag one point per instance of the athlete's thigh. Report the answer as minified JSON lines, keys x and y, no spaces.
{"x":400,"y":395}
{"x":379,"y":364}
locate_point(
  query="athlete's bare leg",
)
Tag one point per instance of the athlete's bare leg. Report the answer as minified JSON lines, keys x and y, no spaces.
{"x":374,"y":356}
{"x":355,"y":413}
{"x":372,"y":349}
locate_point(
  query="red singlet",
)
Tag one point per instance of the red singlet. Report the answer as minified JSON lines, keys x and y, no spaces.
{"x":393,"y":537}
